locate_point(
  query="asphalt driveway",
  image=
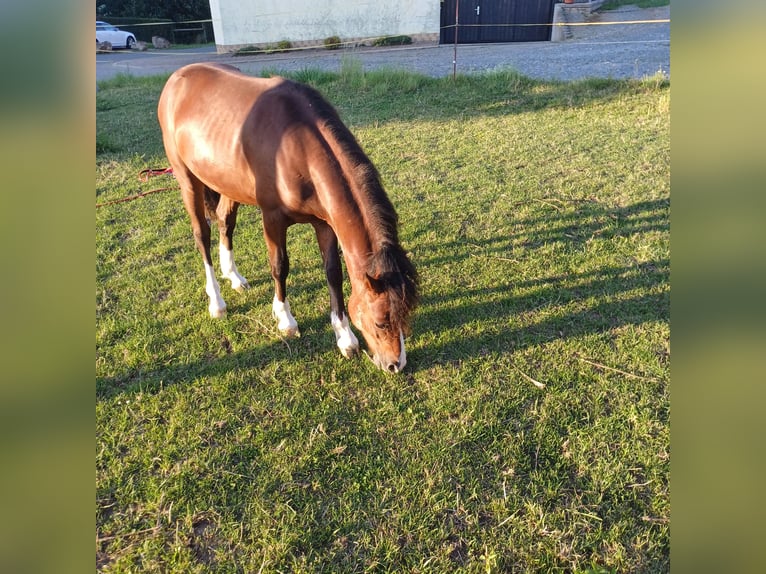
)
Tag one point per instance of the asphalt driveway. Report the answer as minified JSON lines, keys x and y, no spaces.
{"x":597,"y":50}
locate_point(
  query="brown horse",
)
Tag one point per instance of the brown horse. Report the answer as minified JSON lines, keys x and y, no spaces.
{"x":232,"y":139}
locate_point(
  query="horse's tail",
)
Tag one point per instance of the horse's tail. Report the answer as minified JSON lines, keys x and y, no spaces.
{"x":211,"y":202}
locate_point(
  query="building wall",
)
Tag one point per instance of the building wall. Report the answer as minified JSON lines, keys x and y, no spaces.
{"x":239,"y":23}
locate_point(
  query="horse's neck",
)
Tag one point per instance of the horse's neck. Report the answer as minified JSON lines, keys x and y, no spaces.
{"x":347,"y":215}
{"x":355,"y":242}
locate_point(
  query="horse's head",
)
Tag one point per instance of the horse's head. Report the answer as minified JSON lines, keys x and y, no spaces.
{"x":381,"y":303}
{"x":375,"y":311}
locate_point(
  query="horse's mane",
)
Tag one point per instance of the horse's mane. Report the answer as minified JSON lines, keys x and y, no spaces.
{"x":388,"y":264}
{"x":395,"y":273}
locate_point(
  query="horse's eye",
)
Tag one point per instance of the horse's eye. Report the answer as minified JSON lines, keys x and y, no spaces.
{"x":382,"y":326}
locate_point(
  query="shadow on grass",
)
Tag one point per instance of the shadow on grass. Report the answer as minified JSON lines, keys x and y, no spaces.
{"x":599,"y":318}
{"x":607,"y":288}
{"x":263,"y":350}
{"x":572,"y":229}
{"x":499,"y":308}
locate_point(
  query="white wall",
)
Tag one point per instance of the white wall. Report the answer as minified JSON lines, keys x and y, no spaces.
{"x":238,"y":23}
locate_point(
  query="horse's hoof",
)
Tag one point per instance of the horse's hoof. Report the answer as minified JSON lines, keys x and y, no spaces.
{"x":218,"y":313}
{"x":241,"y":288}
{"x":290,"y":333}
{"x":349,"y":352}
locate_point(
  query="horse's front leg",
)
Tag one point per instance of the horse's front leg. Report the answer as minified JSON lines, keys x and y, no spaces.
{"x":328,"y":245}
{"x":227,"y":221}
{"x":275,"y":234}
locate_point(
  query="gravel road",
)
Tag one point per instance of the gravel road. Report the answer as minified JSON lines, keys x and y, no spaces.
{"x":597,"y":50}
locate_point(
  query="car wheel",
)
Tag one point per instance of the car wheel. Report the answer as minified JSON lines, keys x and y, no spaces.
{"x":130,"y":43}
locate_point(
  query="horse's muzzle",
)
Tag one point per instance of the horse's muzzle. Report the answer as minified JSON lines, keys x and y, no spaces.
{"x":388,"y":366}
{"x":391,"y":365}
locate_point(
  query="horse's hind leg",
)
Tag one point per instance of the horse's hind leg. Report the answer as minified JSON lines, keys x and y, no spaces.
{"x":328,"y":246}
{"x":226,"y":212}
{"x":193,"y":194}
{"x":275,"y":232}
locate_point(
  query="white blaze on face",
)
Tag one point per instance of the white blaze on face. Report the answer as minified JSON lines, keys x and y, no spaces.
{"x":344,"y":337}
{"x":402,"y":352}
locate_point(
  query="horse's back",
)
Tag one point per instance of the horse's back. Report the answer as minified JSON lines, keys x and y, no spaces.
{"x":204,"y":85}
{"x":203,"y":112}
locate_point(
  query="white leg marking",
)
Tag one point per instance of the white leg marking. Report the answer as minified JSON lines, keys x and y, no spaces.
{"x":217,"y":306}
{"x":229,"y":269}
{"x":402,"y":353}
{"x":286,"y":323}
{"x":344,"y":336}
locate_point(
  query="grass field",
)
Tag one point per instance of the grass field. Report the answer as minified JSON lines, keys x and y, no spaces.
{"x":530,"y":429}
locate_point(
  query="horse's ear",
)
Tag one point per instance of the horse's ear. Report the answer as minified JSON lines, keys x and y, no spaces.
{"x":375,"y":284}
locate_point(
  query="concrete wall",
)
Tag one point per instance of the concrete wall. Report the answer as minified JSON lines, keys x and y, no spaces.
{"x":239,"y":23}
{"x":564,"y":14}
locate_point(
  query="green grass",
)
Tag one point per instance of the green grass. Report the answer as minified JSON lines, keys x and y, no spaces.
{"x":612,"y":4}
{"x":392,"y":41}
{"x":538,"y":217}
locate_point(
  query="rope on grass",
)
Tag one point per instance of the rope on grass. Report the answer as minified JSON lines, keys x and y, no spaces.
{"x":144,"y":176}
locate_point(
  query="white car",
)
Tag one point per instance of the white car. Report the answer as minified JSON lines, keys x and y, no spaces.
{"x":105,"y":32}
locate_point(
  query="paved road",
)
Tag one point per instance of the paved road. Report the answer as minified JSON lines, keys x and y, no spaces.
{"x":603,"y":51}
